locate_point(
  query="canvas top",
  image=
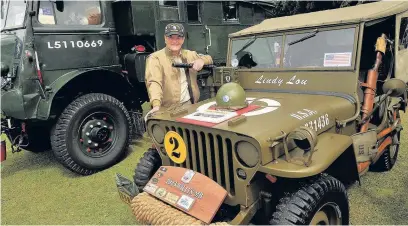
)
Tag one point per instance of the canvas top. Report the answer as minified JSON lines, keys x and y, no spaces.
{"x":346,"y":15}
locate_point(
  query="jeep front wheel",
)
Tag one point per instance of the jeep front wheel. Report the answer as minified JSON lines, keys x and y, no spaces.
{"x":146,"y":167}
{"x":92,"y":133}
{"x":322,"y":201}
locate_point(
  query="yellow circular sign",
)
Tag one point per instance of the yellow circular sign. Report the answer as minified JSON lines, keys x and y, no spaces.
{"x":175,"y":147}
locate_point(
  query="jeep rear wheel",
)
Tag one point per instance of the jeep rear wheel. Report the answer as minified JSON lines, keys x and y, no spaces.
{"x":146,"y":167}
{"x":92,"y":133}
{"x":390,"y":155}
{"x":322,"y":201}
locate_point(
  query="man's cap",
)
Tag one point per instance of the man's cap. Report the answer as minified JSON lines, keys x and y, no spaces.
{"x":174,"y":29}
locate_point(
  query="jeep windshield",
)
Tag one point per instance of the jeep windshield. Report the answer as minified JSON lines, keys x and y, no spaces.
{"x":311,"y":49}
{"x":12,"y":14}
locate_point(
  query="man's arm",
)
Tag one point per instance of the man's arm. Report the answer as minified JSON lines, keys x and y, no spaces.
{"x":154,"y":80}
{"x":199,"y":60}
{"x":206,"y":58}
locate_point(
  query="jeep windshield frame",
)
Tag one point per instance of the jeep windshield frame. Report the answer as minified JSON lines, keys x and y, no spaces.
{"x":13,"y":14}
{"x":351,"y":45}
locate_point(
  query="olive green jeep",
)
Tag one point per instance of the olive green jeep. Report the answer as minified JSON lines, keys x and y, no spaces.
{"x":305,"y":106}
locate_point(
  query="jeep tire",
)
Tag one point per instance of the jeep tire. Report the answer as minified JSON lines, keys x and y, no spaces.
{"x":319,"y":201}
{"x":146,"y":167}
{"x":390,"y":155}
{"x":92,"y":133}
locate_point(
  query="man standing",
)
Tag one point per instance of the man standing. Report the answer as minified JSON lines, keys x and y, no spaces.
{"x":167,"y":85}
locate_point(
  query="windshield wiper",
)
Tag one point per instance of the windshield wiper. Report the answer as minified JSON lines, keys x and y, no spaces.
{"x":304,"y":38}
{"x":247,"y":44}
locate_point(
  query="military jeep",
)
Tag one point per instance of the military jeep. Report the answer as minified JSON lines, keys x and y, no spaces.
{"x":304,"y":107}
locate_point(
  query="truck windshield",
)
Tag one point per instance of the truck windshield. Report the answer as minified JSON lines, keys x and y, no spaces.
{"x":12,"y":14}
{"x":311,"y":49}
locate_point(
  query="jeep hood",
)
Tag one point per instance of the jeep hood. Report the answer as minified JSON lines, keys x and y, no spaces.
{"x":283,"y":112}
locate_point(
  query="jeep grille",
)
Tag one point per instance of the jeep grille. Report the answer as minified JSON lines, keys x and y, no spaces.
{"x":203,"y":157}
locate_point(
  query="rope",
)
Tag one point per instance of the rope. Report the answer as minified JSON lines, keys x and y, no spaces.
{"x":151,"y":211}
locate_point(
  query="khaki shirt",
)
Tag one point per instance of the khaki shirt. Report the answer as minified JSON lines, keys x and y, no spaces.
{"x":163,"y":80}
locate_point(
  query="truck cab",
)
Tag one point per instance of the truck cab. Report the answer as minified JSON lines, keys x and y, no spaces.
{"x":73,"y":71}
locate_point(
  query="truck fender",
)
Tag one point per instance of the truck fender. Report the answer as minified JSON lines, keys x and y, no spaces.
{"x":335,"y":154}
{"x":44,"y":106}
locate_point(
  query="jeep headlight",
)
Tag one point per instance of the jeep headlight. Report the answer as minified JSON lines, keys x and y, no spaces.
{"x":304,"y":138}
{"x":158,"y":134}
{"x":247,"y":154}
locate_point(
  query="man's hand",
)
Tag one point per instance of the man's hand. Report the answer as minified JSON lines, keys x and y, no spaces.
{"x":154,"y":109}
{"x":198,"y":64}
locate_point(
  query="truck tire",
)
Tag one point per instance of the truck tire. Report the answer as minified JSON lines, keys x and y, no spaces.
{"x":321,"y":201}
{"x":92,"y":134}
{"x":146,"y":167}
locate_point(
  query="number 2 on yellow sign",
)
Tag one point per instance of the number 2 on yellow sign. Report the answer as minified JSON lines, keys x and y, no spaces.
{"x":175,"y":147}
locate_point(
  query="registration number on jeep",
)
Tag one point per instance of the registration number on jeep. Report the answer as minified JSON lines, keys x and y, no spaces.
{"x":74,"y":44}
{"x":319,"y":123}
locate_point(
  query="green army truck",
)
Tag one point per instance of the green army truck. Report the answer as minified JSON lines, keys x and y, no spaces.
{"x":72,"y":72}
{"x":306,"y":105}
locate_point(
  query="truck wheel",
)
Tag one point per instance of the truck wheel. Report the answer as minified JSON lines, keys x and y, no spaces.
{"x":321,"y":201}
{"x":146,"y":167}
{"x":389,"y":157}
{"x":91,"y":134}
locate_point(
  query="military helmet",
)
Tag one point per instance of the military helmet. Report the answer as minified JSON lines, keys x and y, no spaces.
{"x":231,"y":96}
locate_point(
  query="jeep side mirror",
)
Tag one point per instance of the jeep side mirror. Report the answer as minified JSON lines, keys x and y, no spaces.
{"x":394,"y":87}
{"x":4,"y":69}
